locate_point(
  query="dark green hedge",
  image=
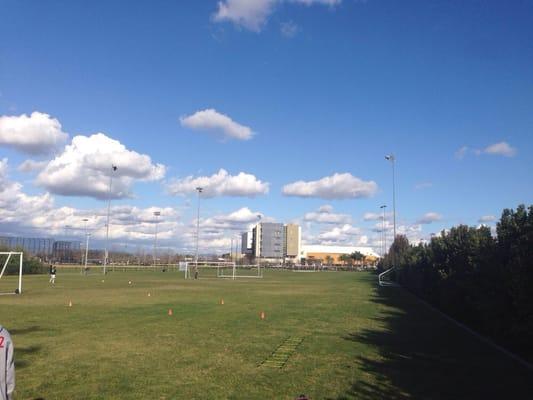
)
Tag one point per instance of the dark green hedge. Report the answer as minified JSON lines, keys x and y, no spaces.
{"x":484,"y":281}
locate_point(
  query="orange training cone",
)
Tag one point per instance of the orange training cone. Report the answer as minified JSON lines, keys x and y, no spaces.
{"x":262,"y":315}
{"x":170,"y":311}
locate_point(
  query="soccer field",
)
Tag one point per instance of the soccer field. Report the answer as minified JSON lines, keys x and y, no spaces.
{"x":326,"y":334}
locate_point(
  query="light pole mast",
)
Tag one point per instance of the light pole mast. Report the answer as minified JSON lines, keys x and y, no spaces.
{"x":199,"y":190}
{"x":258,"y":233}
{"x":106,"y":255}
{"x":86,"y":244}
{"x":392,"y":159}
{"x":156,"y":214}
{"x":383,"y":234}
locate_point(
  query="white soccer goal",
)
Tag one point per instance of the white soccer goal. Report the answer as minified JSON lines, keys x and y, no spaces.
{"x":10,"y":284}
{"x":224,"y":269}
{"x":384,"y":280}
{"x":204,"y":269}
{"x":241,"y":271}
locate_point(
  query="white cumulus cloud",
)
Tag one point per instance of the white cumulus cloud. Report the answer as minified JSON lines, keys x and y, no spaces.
{"x":288,"y":29}
{"x":37,"y":133}
{"x":461,"y":152}
{"x":211,"y":120}
{"x":240,"y":219}
{"x":340,"y":234}
{"x":253,"y":14}
{"x":250,"y":14}
{"x":84,"y":168}
{"x":370,"y":216}
{"x":486,"y":218}
{"x":37,"y":216}
{"x":337,"y":186}
{"x":500,"y":149}
{"x":17,"y":206}
{"x":220,"y":184}
{"x":31,"y":165}
{"x":429,"y":217}
{"x":325,"y":215}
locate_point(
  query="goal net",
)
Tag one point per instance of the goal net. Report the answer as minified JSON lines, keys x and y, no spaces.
{"x":203,"y":269}
{"x":10,"y":272}
{"x":241,"y":271}
{"x":228,"y":270}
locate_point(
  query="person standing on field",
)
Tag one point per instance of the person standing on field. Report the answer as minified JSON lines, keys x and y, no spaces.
{"x":7,"y":366}
{"x":52,"y":274}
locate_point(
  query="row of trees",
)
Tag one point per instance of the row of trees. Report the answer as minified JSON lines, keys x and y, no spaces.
{"x":351,"y":259}
{"x":30,"y":264}
{"x":485,"y":281}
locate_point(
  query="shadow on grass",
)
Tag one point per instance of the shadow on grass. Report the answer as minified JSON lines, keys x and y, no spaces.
{"x":21,"y":354}
{"x":23,"y":331}
{"x":424,"y":356}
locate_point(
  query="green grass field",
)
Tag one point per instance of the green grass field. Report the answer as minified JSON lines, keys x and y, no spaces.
{"x":359,"y":341}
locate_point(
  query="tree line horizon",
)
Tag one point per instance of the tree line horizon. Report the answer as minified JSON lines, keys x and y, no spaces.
{"x":481,"y":280}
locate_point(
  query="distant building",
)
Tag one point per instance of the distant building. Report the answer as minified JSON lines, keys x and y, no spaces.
{"x":246,"y":243}
{"x":274,"y":241}
{"x":293,"y":234}
{"x":320,"y":253}
{"x":269,"y":240}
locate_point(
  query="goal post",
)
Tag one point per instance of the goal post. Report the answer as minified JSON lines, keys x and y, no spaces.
{"x":241,"y":271}
{"x":224,"y":269}
{"x":384,"y":278}
{"x":11,"y":284}
{"x":205,"y":269}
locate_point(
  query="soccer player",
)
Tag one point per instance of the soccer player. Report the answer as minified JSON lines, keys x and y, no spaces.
{"x":52,"y":274}
{"x":7,"y":366}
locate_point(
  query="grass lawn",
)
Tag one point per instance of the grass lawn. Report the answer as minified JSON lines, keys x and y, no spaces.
{"x":359,"y":341}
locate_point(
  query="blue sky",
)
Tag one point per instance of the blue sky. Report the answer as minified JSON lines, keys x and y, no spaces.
{"x":321,"y":87}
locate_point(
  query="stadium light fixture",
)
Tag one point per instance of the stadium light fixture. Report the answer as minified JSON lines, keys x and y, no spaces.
{"x":106,"y":255}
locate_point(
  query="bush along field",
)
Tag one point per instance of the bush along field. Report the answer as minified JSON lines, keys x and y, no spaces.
{"x":327,"y":335}
{"x":480,"y":279}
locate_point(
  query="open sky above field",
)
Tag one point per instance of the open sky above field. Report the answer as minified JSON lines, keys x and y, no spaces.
{"x":279,"y":108}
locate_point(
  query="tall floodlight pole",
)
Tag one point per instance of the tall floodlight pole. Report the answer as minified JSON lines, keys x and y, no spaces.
{"x":86,"y":244}
{"x":258,"y":238}
{"x":392,"y":159}
{"x":106,"y":255}
{"x":199,"y":190}
{"x":66,"y":253}
{"x":156,"y":214}
{"x":383,"y":233}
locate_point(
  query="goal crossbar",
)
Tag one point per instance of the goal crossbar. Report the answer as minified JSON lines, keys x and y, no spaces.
{"x":382,"y":278}
{"x":234,"y":275}
{"x":4,"y":268}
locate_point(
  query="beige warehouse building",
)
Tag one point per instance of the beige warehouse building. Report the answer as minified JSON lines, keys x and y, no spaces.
{"x":320,"y":253}
{"x":293,"y":235}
